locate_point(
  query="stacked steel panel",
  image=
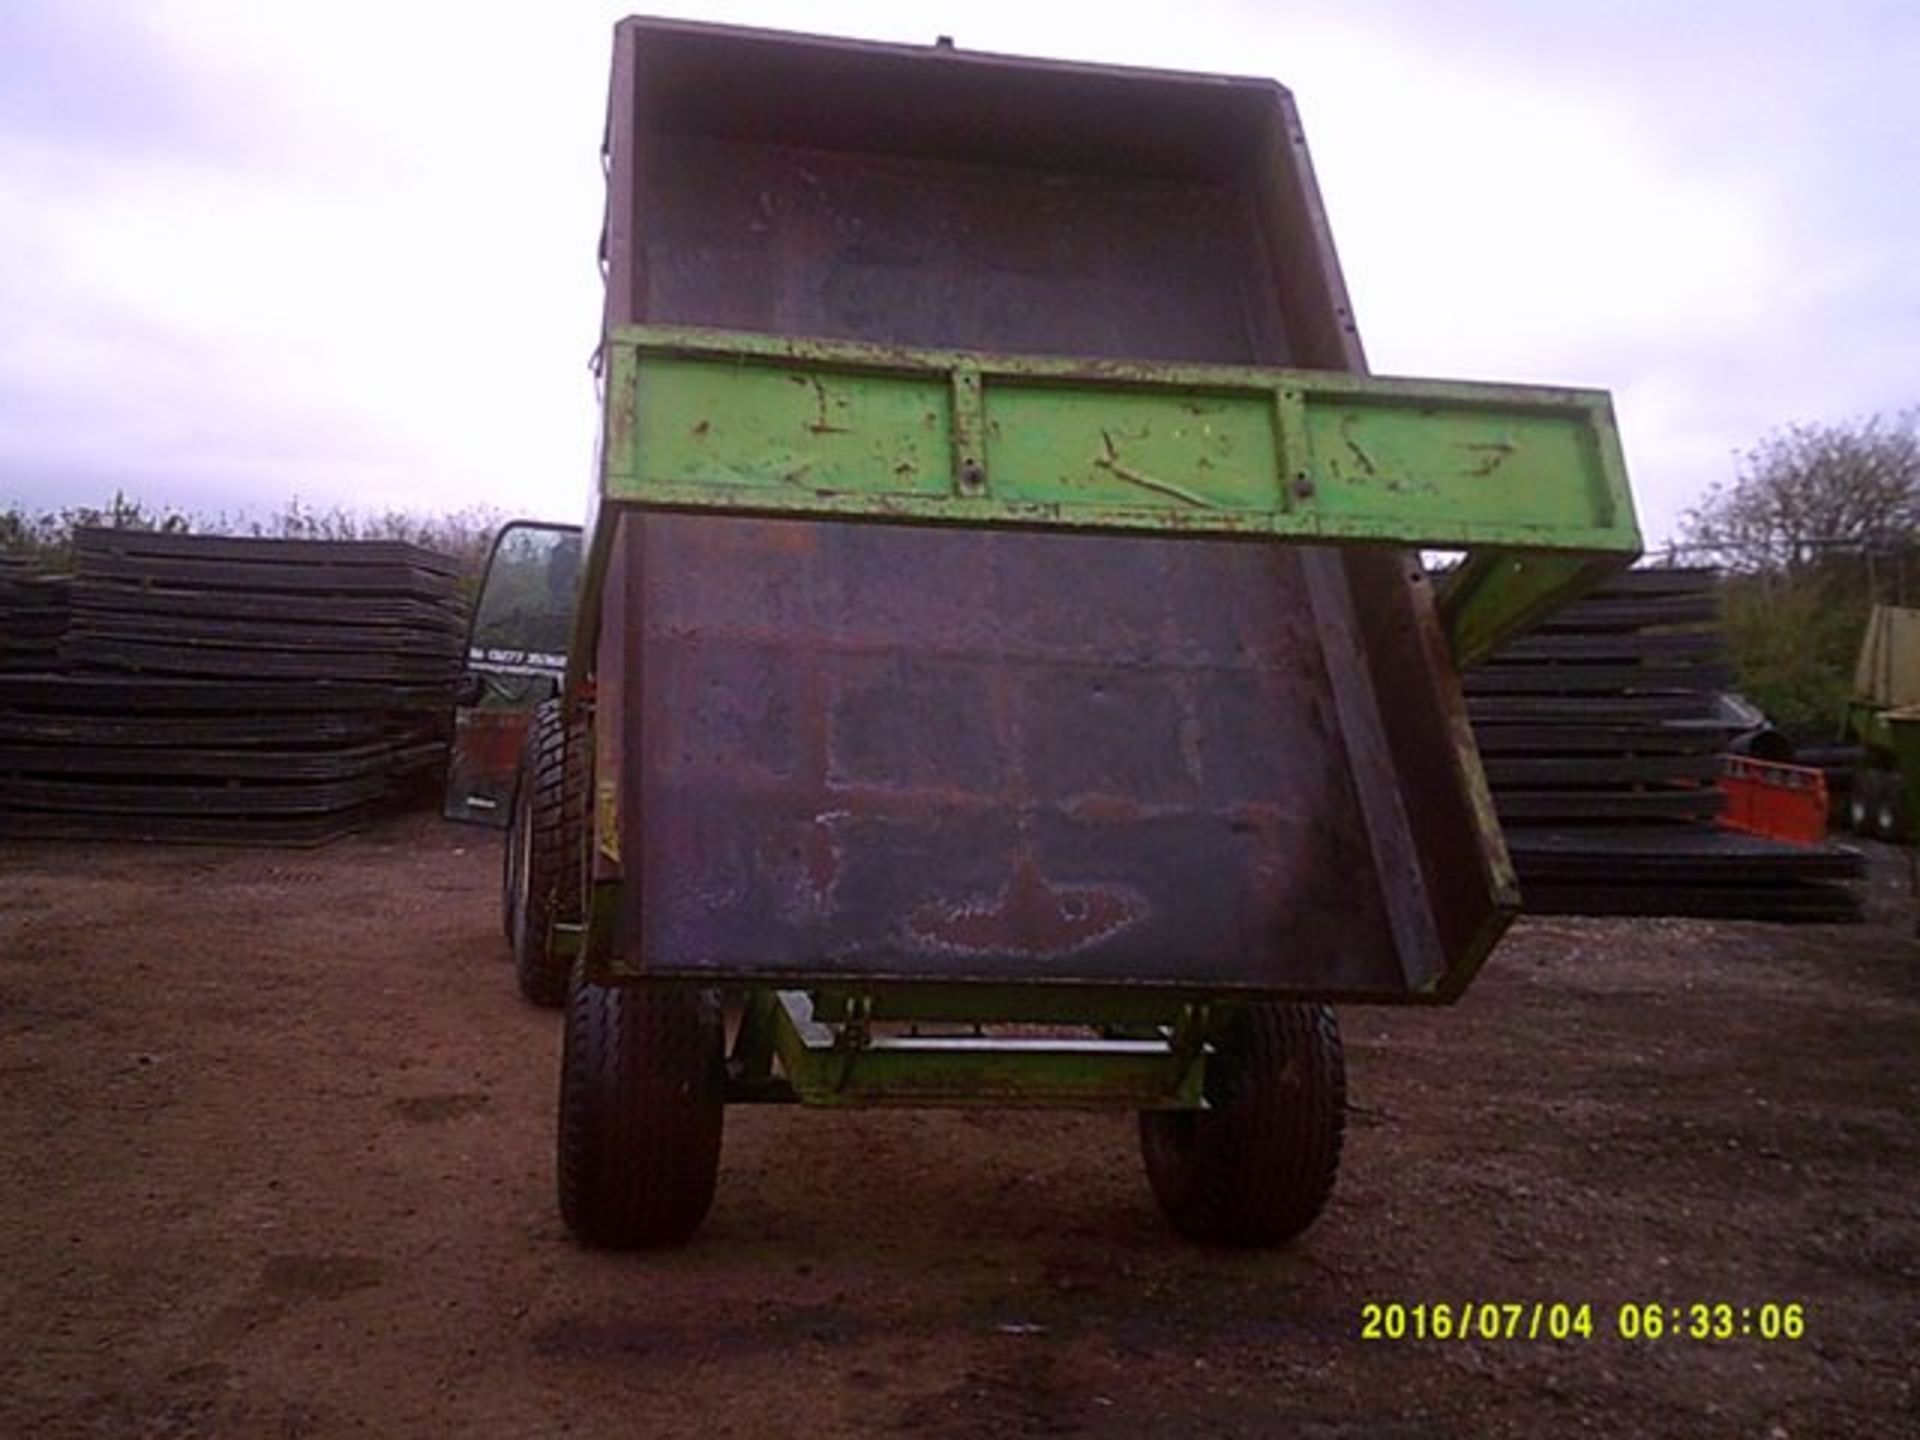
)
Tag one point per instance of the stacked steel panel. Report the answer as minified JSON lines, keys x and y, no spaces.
{"x":33,"y":615}
{"x":251,"y":690}
{"x":1602,"y":732}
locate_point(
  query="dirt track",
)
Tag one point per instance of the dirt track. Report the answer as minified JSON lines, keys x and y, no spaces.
{"x":276,"y":1134}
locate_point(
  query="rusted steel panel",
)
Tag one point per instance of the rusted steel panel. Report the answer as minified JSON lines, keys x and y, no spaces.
{"x":889,"y":751}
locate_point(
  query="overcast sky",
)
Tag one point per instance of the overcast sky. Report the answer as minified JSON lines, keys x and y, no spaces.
{"x":346,"y":251}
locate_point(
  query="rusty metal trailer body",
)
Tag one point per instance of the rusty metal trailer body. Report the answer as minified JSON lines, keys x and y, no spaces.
{"x":1002,"y":606}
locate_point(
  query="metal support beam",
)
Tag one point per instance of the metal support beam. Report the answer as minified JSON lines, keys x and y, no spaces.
{"x":840,"y":1064}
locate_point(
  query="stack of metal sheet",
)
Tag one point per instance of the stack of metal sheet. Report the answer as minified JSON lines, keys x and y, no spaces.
{"x":1602,"y":733}
{"x":212,"y":688}
{"x":33,"y":615}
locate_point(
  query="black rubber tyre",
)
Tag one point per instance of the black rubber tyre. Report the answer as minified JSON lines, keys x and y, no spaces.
{"x":1255,"y":1167}
{"x":642,"y":1090}
{"x":546,"y":844}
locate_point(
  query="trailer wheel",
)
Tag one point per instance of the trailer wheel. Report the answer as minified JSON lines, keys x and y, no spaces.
{"x":1257,"y":1165}
{"x":545,"y":845}
{"x":642,"y":1080}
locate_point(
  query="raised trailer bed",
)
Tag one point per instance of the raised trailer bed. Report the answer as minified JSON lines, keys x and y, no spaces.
{"x":1003,"y":669}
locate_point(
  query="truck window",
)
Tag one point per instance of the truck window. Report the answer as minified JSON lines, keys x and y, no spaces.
{"x":525,"y":611}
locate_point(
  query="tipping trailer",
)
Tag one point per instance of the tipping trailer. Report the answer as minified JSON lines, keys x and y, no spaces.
{"x":1003,"y":671}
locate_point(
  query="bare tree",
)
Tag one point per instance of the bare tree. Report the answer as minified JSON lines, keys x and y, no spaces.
{"x":1807,"y":493}
{"x":1819,"y":523}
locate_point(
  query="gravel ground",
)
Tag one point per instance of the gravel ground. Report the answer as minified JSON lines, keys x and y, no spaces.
{"x":278,"y":1163}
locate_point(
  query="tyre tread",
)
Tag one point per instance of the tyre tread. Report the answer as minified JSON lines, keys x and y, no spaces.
{"x":1258,"y":1167}
{"x":642,"y":1091}
{"x":553,"y":783}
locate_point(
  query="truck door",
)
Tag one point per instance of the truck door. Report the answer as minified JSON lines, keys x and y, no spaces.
{"x":516,"y":658}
